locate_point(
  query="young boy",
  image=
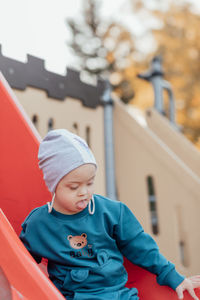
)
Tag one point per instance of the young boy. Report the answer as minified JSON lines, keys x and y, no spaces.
{"x":85,"y":236}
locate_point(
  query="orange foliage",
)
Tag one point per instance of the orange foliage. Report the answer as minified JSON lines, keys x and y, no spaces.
{"x":179,"y":44}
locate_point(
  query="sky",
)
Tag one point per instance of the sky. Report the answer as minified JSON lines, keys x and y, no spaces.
{"x":38,"y":27}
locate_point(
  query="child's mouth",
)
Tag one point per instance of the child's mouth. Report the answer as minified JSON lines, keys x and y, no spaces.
{"x":82,"y":204}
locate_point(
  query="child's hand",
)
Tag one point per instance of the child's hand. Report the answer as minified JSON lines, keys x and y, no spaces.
{"x":189,"y":284}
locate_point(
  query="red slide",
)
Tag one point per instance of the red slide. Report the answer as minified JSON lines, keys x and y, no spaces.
{"x":22,"y":189}
{"x":20,"y":269}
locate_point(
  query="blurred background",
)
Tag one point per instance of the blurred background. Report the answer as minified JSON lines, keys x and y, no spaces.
{"x":116,"y":40}
{"x":146,"y":162}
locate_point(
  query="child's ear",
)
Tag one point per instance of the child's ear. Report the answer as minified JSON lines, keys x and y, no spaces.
{"x":84,"y":235}
{"x":69,"y":237}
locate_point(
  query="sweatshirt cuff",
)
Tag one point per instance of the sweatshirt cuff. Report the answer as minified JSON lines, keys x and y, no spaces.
{"x":172,"y":279}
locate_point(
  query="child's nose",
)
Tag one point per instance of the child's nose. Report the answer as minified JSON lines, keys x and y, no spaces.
{"x":83,"y":190}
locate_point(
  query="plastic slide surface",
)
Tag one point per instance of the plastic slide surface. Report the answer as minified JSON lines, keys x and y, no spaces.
{"x":22,"y":186}
{"x":147,"y":286}
{"x":22,"y":189}
{"x":20,"y":269}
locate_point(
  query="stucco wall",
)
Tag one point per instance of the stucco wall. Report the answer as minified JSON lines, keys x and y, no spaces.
{"x":140,"y":153}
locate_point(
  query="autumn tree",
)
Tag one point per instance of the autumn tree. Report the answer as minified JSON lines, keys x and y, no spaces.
{"x":103,"y":48}
{"x":108,"y":49}
{"x":178,"y":43}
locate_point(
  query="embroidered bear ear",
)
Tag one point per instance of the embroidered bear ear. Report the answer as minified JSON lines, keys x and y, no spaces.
{"x":69,"y":237}
{"x":84,"y":235}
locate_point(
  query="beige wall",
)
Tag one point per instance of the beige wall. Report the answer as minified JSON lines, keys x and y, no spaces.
{"x":173,"y":139}
{"x":65,"y":114}
{"x":139,"y":153}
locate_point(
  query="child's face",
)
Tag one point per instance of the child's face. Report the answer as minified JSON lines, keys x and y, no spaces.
{"x":75,"y":190}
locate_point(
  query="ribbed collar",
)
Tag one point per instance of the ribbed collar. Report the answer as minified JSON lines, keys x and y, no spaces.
{"x":65,"y":217}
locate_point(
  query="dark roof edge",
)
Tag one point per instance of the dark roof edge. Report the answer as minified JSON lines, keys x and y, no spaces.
{"x":20,"y":75}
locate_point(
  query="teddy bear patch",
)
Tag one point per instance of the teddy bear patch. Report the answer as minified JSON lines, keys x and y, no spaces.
{"x":78,"y":241}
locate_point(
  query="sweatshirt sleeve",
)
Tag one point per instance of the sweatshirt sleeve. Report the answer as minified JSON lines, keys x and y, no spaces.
{"x":27,"y":239}
{"x":140,"y":248}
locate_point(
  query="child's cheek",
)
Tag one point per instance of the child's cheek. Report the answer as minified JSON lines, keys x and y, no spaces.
{"x":91,"y":190}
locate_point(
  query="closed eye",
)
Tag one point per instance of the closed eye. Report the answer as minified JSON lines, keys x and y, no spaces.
{"x":73,"y":188}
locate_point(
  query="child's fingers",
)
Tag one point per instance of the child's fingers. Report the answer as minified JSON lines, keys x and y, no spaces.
{"x":179,"y":293}
{"x":192,"y":293}
{"x":189,"y":285}
{"x":195,"y":280}
{"x":196,"y":284}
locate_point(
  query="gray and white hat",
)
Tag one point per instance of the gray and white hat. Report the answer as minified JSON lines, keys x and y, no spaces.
{"x":60,"y":152}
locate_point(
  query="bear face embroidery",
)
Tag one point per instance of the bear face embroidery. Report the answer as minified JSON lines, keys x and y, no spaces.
{"x":78,"y":241}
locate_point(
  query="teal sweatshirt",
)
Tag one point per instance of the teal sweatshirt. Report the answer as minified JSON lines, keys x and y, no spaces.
{"x":85,"y":252}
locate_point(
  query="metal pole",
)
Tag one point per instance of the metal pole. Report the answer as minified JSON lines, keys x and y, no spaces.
{"x":155,"y":76}
{"x":156,"y":81}
{"x":109,"y":143}
{"x":167,"y":86}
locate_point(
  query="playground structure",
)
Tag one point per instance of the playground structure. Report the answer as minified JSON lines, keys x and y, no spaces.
{"x":153,"y":157}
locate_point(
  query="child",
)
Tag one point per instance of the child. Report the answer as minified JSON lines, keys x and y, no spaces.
{"x":84,"y":236}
